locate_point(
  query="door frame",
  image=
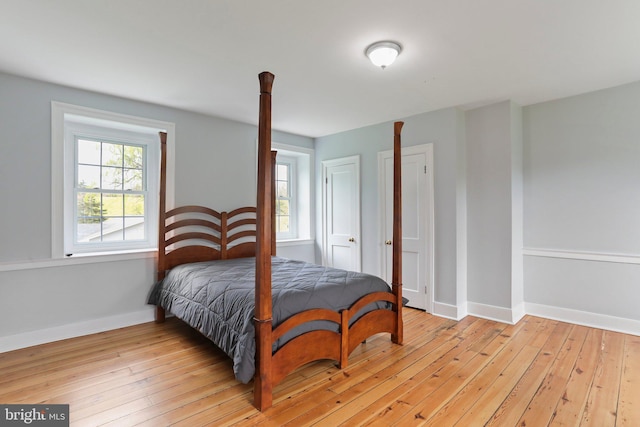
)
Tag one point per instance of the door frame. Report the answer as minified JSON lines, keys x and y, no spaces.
{"x":326,"y":164}
{"x":426,"y":149}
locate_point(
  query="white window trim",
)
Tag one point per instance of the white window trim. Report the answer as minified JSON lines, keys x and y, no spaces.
{"x":304,"y":191}
{"x":58,"y":112}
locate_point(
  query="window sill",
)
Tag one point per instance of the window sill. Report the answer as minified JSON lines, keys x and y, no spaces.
{"x":294,"y":242}
{"x":92,"y":258}
{"x":78,"y":259}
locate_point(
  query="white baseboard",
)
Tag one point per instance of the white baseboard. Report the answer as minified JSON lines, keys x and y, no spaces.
{"x":594,"y":320}
{"x":499,"y":314}
{"x":42,"y":336}
{"x":449,"y":311}
{"x":518,"y":312}
{"x":512,"y":316}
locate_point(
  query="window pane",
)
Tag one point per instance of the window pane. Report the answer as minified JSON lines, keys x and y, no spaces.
{"x":89,"y":208}
{"x":132,"y":180}
{"x":133,"y":204}
{"x":133,"y":157}
{"x":283,"y":189}
{"x":282,"y":207}
{"x":134,"y":228}
{"x":111,"y":178}
{"x":88,"y":152}
{"x":113,"y":230}
{"x":88,"y":176}
{"x":112,"y":154}
{"x":282,"y":172}
{"x":283,"y":224}
{"x":113,"y":204}
{"x":89,"y":232}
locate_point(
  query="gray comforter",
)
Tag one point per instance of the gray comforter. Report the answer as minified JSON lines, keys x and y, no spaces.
{"x":218,"y":299}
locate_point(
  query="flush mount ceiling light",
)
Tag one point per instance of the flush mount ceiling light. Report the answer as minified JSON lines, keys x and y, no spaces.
{"x":383,"y":53}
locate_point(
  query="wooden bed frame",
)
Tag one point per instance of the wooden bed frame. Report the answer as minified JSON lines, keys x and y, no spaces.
{"x":225,"y":234}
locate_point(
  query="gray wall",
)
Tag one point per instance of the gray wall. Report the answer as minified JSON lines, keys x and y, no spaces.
{"x":214,"y":165}
{"x":443,"y":128}
{"x":489,"y":205}
{"x":582,"y":196}
{"x":494,"y":205}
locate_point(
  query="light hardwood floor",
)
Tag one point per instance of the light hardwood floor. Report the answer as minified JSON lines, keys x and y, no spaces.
{"x":467,"y":373}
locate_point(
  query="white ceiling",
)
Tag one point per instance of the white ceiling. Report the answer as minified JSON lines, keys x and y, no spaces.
{"x":205,"y":55}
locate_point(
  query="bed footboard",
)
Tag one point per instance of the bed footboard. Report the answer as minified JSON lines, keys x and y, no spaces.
{"x":325,"y":344}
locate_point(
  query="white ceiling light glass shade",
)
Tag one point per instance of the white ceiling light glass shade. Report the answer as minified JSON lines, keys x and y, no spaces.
{"x":384,"y":53}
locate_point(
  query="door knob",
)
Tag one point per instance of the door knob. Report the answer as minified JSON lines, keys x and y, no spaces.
{"x":388,"y":242}
{"x":351,"y":239}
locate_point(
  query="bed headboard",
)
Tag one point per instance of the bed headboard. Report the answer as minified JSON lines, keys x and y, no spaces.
{"x":197,"y":233}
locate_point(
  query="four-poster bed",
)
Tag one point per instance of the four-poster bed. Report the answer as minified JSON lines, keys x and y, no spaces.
{"x":278,"y":314}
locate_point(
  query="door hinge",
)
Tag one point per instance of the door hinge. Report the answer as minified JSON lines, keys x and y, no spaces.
{"x":425,"y":169}
{"x":326,"y":180}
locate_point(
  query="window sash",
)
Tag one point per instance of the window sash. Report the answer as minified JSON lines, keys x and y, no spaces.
{"x":289,"y":199}
{"x":122,"y":228}
{"x":101,"y":225}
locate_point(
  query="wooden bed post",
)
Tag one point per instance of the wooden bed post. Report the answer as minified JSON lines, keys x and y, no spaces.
{"x":396,"y":275}
{"x":162,"y":217}
{"x":263,"y":387}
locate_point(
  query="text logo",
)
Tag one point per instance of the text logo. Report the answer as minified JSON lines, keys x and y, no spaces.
{"x":34,"y":415}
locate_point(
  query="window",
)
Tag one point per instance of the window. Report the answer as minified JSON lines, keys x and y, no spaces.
{"x":109,"y":181}
{"x":285,"y":198}
{"x":293,"y":192}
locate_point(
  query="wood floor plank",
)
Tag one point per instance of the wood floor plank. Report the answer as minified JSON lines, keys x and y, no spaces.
{"x":569,"y":409}
{"x":484,"y":407}
{"x":602,"y":404}
{"x":74,"y":351}
{"x":427,"y":397}
{"x":471,"y":372}
{"x":466,"y":397}
{"x":541,"y":408}
{"x":560,"y":351}
{"x":415,"y":376}
{"x":418,"y":386}
{"x":629,"y":400}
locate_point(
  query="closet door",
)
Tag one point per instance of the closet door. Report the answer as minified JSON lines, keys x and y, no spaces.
{"x":417,"y":214}
{"x":341,"y":213}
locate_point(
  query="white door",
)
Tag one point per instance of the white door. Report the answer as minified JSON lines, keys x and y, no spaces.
{"x":417,"y":214}
{"x":341,"y":216}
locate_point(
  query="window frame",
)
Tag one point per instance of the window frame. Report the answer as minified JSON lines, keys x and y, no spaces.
{"x":75,"y":131}
{"x":304,"y":184}
{"x":68,"y":122}
{"x":291,"y":163}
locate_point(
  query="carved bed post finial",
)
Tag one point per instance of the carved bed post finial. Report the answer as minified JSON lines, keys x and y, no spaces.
{"x":263,"y":382}
{"x":266,"y":83}
{"x":396,"y":275}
